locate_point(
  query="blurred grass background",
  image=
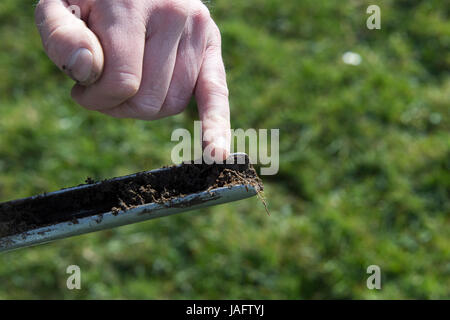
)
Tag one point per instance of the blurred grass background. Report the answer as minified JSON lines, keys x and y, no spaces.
{"x":364,"y":176}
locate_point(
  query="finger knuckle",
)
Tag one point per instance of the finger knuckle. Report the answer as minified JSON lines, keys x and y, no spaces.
{"x":123,"y":86}
{"x":147,"y":105}
{"x":216,"y":87}
{"x":214,"y":120}
{"x":175,"y":8}
{"x":151,"y":109}
{"x":215,"y":38}
{"x":175,"y":104}
{"x":201,"y":14}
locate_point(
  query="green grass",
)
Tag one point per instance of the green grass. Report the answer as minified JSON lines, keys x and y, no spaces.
{"x":364,"y":150}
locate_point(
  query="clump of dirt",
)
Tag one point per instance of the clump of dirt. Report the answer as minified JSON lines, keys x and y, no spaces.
{"x":160,"y":186}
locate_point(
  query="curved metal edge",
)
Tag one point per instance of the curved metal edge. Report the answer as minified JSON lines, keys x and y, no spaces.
{"x":109,"y":220}
{"x":240,"y":156}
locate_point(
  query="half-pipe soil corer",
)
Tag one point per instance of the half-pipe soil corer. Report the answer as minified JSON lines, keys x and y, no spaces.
{"x":124,"y":200}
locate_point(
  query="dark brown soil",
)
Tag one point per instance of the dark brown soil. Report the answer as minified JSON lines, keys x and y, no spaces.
{"x":121,"y":194}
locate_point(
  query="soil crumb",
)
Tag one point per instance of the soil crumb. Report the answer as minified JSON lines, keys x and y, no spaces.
{"x":115,"y":195}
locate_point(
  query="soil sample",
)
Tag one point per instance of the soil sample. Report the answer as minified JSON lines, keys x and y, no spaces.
{"x":115,"y":195}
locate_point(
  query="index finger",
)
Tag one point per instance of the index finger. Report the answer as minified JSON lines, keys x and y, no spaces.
{"x":212,"y":100}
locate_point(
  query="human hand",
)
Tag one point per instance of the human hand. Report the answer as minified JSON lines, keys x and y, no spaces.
{"x":141,"y":59}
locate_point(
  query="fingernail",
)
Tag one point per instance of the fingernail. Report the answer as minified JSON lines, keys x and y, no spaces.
{"x":220,"y":142}
{"x":80,"y":64}
{"x":220,"y":149}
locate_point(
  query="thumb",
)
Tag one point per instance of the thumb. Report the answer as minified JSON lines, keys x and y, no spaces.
{"x":68,"y":42}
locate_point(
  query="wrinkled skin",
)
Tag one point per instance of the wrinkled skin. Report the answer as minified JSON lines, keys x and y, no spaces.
{"x":141,"y":59}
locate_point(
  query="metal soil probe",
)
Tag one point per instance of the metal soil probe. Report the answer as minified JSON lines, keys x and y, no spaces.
{"x":112,"y":219}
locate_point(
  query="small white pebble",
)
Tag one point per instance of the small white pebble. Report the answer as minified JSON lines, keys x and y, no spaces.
{"x":351,"y":58}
